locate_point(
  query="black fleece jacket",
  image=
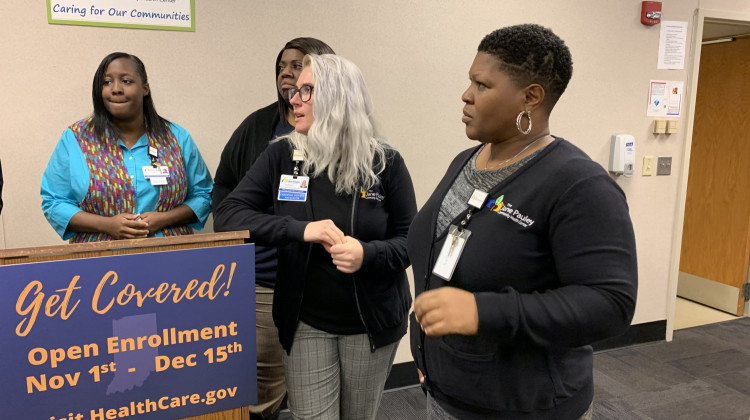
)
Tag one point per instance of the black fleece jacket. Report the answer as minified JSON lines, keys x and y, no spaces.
{"x":551,"y":261}
{"x":380,"y":221}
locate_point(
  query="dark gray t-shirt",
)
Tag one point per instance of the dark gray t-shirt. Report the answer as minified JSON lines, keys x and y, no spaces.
{"x":471,"y":178}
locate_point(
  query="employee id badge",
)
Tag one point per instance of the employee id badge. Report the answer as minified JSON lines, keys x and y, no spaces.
{"x":293,"y":188}
{"x":157,"y":176}
{"x":451,"y":252}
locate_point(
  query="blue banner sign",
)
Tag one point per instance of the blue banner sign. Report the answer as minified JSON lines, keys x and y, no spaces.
{"x":160,"y":335}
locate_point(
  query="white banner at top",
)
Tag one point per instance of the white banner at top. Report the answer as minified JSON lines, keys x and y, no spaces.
{"x":177,"y":15}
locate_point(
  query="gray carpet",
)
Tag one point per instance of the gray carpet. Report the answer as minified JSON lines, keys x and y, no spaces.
{"x":704,"y":373}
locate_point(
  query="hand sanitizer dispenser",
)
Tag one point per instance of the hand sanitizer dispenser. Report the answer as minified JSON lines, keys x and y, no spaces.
{"x":622,"y":155}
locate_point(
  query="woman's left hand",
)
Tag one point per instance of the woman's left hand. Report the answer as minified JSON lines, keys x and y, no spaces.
{"x":156,"y":221}
{"x":447,"y":310}
{"x":347,"y":256}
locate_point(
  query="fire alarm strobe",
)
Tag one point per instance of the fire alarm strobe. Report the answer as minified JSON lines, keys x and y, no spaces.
{"x":650,"y":12}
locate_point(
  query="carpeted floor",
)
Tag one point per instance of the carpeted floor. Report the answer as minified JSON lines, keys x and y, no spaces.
{"x":704,"y":373}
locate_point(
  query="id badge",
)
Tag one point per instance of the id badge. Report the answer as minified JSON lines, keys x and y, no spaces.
{"x":451,"y":252}
{"x":157,"y":176}
{"x":293,"y":188}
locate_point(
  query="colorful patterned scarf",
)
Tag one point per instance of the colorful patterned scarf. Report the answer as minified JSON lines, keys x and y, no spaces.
{"x":110,"y":190}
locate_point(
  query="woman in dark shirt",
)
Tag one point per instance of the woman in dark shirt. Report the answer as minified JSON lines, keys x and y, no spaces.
{"x":524,"y":255}
{"x":342,"y":203}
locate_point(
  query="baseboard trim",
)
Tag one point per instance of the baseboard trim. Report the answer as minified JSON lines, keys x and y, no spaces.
{"x":405,"y":374}
{"x":637,"y":334}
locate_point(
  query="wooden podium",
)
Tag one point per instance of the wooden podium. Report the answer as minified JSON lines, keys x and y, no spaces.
{"x":132,"y":246}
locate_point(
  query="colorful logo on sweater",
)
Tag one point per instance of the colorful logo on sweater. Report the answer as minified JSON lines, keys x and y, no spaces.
{"x":370,"y":195}
{"x":497,"y":204}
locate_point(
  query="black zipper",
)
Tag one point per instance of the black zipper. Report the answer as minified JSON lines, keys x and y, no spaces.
{"x":354,"y":280}
{"x":308,"y":210}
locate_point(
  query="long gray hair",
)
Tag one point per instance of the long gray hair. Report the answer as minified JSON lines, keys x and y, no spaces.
{"x":344,"y":139}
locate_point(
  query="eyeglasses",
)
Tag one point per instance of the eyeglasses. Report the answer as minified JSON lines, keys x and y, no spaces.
{"x":305,"y":92}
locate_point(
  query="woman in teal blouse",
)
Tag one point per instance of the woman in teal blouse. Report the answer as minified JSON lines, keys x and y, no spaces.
{"x":125,"y":172}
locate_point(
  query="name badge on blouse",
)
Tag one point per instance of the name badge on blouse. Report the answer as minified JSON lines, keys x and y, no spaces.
{"x":293,"y":188}
{"x":451,"y":252}
{"x":157,"y":175}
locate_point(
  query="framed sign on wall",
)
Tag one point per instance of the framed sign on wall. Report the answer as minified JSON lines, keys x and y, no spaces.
{"x":170,"y":15}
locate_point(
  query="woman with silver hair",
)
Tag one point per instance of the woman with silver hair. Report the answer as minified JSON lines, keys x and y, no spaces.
{"x":342,"y":202}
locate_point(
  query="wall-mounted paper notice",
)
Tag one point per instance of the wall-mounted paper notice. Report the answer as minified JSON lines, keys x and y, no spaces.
{"x":664,"y":98}
{"x":672,"y":45}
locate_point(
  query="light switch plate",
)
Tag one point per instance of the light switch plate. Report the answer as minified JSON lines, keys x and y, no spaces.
{"x":648,"y":165}
{"x":664,"y":165}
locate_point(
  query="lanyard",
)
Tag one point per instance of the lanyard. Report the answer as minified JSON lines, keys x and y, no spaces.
{"x":456,"y":240}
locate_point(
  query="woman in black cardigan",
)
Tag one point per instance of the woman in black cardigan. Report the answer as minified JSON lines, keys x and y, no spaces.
{"x":524,"y":255}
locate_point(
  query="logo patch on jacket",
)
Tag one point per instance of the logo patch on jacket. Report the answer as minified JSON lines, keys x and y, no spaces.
{"x":371,"y":195}
{"x":499,"y":206}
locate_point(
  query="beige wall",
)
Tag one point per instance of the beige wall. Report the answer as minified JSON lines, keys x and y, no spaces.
{"x":415,"y":56}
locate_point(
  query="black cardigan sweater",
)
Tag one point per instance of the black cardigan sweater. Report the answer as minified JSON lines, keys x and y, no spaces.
{"x":552,"y":264}
{"x":248,"y":141}
{"x":380,"y":221}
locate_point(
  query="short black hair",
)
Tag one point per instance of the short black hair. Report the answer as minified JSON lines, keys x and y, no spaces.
{"x":529,"y":54}
{"x":103,"y":119}
{"x":308,"y":46}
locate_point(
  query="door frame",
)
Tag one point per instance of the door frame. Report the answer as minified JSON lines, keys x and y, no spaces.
{"x":699,"y":18}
